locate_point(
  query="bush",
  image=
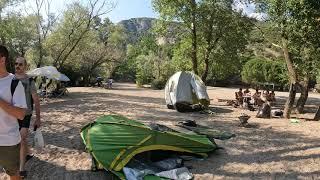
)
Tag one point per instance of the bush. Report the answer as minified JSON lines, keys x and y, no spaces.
{"x":318,"y":78}
{"x":257,"y":71}
{"x":158,"y":84}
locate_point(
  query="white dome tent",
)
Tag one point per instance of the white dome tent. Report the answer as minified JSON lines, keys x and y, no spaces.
{"x":185,"y":89}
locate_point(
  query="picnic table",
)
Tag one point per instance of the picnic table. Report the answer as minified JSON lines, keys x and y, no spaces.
{"x":246,"y":98}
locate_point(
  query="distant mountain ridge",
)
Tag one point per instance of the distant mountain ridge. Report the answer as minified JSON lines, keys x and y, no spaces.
{"x":136,"y":27}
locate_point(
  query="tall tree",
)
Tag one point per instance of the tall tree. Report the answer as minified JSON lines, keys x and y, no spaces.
{"x":221,"y":29}
{"x":185,"y":12}
{"x":77,"y":22}
{"x":18,"y":34}
{"x":44,"y":24}
{"x":295,"y":20}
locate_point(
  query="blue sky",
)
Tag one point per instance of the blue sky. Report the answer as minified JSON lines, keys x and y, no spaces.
{"x":126,"y":9}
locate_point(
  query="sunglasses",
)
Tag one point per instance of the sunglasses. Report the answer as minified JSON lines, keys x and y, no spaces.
{"x":18,"y":64}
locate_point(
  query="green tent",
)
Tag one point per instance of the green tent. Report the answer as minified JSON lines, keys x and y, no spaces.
{"x":114,"y":140}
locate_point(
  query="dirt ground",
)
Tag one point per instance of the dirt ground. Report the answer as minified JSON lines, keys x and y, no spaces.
{"x":269,"y":149}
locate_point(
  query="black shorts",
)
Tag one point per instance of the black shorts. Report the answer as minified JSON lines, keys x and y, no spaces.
{"x":25,"y":123}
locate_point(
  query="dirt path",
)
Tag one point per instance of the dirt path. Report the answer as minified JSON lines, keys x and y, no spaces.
{"x":271,"y":149}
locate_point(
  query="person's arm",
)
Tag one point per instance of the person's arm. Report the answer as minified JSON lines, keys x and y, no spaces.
{"x":36,"y":101}
{"x":16,"y":112}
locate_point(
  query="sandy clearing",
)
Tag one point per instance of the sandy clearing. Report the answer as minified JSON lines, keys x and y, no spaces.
{"x":271,"y":149}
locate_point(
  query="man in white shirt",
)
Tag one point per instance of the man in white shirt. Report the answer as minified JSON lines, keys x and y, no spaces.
{"x":12,"y":107}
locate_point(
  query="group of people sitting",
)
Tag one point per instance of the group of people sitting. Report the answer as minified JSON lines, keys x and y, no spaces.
{"x":108,"y":83}
{"x":52,"y":89}
{"x":246,"y":98}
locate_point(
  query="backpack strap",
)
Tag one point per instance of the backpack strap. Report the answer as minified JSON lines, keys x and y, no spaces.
{"x":30,"y":80}
{"x":14,"y":84}
{"x":31,"y":98}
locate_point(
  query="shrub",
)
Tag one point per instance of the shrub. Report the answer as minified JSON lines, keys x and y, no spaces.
{"x":158,"y":84}
{"x":257,"y":71}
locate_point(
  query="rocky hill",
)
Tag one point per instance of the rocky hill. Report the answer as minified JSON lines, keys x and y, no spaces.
{"x":136,"y":27}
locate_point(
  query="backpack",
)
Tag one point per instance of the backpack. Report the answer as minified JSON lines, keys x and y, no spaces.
{"x":14,"y":84}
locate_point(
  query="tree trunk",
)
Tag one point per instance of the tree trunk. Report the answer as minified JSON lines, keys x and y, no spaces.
{"x":209,"y":49}
{"x":317,"y":116}
{"x":290,"y":101}
{"x":40,"y":54}
{"x":304,"y":95}
{"x":206,"y":68}
{"x":194,"y":38}
{"x":292,"y":77}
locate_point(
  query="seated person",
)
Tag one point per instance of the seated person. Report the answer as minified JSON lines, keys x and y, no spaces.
{"x":110,"y":81}
{"x":257,"y":93}
{"x":264,"y":111}
{"x":272,"y":96}
{"x":239,"y":96}
{"x":257,"y":98}
{"x":99,"y":81}
{"x":247,"y":95}
{"x":265,"y":95}
{"x":247,"y":92}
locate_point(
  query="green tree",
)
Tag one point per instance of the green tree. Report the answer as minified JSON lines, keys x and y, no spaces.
{"x":97,"y":55}
{"x":18,"y":34}
{"x":218,"y":31}
{"x":221,"y":31}
{"x":77,"y":21}
{"x":296,"y":23}
{"x":44,"y":24}
{"x":257,"y":71}
{"x":185,"y":12}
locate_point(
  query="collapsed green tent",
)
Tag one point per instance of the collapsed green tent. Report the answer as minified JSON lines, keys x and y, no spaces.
{"x":114,"y":140}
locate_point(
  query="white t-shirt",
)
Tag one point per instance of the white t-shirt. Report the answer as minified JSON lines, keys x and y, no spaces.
{"x":9,"y":127}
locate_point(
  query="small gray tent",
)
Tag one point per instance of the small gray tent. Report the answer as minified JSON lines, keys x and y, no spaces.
{"x":185,"y":89}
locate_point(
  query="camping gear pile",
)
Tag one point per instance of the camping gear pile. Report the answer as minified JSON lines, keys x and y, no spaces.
{"x":204,"y":130}
{"x":244,"y":119}
{"x":264,"y":111}
{"x":51,"y":73}
{"x":132,"y":150}
{"x":186,"y":92}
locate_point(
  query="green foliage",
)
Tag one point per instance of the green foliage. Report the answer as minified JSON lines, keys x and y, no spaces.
{"x":297,"y":22}
{"x":17,"y":32}
{"x":83,"y":45}
{"x":181,"y":59}
{"x":318,"y":78}
{"x":144,"y":69}
{"x":257,"y":71}
{"x":222,"y":34}
{"x":158,"y":84}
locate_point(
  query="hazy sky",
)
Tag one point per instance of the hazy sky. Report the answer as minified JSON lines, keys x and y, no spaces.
{"x":124,"y":9}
